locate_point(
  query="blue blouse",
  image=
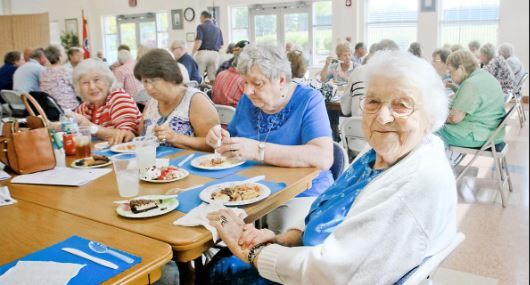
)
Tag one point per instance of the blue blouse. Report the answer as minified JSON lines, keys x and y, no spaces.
{"x":303,"y":119}
{"x":330,"y":208}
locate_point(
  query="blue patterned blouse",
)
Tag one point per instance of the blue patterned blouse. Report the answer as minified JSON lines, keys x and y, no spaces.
{"x":331,"y":207}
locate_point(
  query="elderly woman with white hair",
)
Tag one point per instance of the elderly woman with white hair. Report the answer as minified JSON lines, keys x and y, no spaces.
{"x":279,"y":123}
{"x":111,"y":113}
{"x":498,"y":67}
{"x":506,"y":51}
{"x":393,"y":208}
{"x":340,"y":68}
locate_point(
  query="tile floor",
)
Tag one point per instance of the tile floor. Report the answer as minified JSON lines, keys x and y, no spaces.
{"x":496,"y":249}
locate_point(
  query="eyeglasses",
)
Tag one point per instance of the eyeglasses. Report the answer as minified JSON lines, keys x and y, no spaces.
{"x":150,"y":81}
{"x":400,"y":107}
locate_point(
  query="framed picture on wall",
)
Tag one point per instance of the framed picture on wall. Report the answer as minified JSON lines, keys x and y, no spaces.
{"x":70,"y":25}
{"x":177,"y":19}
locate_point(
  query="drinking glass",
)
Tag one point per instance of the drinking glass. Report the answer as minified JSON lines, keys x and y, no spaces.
{"x":126,"y":170}
{"x":145,"y":148}
{"x":82,"y":142}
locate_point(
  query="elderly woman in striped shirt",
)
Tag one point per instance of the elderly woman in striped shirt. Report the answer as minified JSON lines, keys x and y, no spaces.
{"x":111,"y":113}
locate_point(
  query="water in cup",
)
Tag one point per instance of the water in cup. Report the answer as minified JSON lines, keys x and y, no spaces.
{"x":145,"y":148}
{"x":126,"y":170}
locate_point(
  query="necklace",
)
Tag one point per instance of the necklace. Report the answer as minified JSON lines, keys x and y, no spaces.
{"x":261,"y":144}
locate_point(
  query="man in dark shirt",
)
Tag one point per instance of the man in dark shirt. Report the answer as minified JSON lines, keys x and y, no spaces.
{"x":178,"y":48}
{"x":236,"y":51}
{"x":208,"y":41}
{"x":12,"y":60}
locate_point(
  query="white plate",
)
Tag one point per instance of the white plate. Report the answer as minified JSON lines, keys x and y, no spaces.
{"x":85,"y":167}
{"x":164,"y":208}
{"x":102,"y":145}
{"x":206,"y":194}
{"x":185,"y":174}
{"x":121,"y":148}
{"x":197,"y":163}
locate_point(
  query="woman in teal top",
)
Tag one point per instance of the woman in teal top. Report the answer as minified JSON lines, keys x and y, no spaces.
{"x":477,"y":107}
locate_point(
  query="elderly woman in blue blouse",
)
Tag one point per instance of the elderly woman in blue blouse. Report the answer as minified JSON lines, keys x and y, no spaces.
{"x":394,"y":207}
{"x":280,"y":123}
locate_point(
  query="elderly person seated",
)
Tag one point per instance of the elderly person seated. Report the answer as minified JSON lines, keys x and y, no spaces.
{"x":75,"y":56}
{"x":279,"y":123}
{"x":478,"y":105}
{"x":339,"y":69}
{"x":474,"y":48}
{"x":125,"y":73}
{"x":439,"y":59}
{"x":111,"y":113}
{"x":498,"y":67}
{"x":177,"y":115}
{"x":56,"y":79}
{"x":178,"y":49}
{"x":12,"y":60}
{"x":229,"y":86}
{"x":393,"y":208}
{"x":236,"y":50}
{"x":506,"y":52}
{"x":298,"y":66}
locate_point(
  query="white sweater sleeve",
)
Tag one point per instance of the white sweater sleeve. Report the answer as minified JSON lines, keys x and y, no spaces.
{"x":355,"y":251}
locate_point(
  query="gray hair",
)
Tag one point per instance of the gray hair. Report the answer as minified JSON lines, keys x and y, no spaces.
{"x":180,"y":43}
{"x":270,"y":59}
{"x":124,"y":55}
{"x":386,"y":44}
{"x":473,"y":45}
{"x":506,"y":50}
{"x":53,"y":54}
{"x":415,"y":72}
{"x":93,"y":66}
{"x":415,"y":49}
{"x":488,"y":50}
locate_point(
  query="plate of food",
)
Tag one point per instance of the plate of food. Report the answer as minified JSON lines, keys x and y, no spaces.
{"x":212,"y":162}
{"x":93,"y":161}
{"x":164,"y":174}
{"x":235,"y":193}
{"x":147,"y":206}
{"x":123,"y":148}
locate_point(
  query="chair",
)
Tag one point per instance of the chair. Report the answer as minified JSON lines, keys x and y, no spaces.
{"x":489,"y":149}
{"x":351,"y":134}
{"x":422,"y":274}
{"x":226,"y":113}
{"x":48,"y":104}
{"x":340,"y":160}
{"x":518,"y":95}
{"x":14,"y":102}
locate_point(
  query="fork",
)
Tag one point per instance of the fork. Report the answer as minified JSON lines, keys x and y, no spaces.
{"x":217,"y":156}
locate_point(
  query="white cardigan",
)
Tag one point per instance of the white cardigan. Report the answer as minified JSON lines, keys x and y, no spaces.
{"x":405,"y":214}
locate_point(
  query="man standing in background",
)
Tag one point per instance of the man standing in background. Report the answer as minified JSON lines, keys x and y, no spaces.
{"x":208,"y":42}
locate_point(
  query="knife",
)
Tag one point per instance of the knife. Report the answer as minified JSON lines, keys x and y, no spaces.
{"x":254,"y":179}
{"x":90,"y":257}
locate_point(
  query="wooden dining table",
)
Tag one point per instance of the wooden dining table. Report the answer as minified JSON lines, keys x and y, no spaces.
{"x":28,"y":227}
{"x":94,"y":201}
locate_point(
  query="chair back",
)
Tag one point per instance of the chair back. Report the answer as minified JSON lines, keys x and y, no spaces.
{"x":13,"y":100}
{"x":519,"y":85}
{"x":351,"y":133}
{"x":48,"y":104}
{"x":340,"y":160}
{"x":422,"y":272}
{"x":226,"y":113}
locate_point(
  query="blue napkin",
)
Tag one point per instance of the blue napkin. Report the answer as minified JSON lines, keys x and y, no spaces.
{"x":92,"y":273}
{"x":190,"y":199}
{"x":212,"y":173}
{"x":161,"y":151}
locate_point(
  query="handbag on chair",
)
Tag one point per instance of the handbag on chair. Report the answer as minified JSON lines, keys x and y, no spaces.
{"x":27,"y":150}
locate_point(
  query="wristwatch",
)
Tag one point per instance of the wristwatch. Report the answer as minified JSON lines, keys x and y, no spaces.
{"x":94,"y":129}
{"x":261,"y":151}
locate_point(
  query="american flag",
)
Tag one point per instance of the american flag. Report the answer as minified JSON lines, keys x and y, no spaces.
{"x":85,"y":36}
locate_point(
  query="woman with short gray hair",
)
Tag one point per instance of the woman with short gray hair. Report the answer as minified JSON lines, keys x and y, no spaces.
{"x":279,"y":123}
{"x":393,"y":208}
{"x":56,"y":79}
{"x":498,"y":67}
{"x":111,"y":113}
{"x":506,"y":51}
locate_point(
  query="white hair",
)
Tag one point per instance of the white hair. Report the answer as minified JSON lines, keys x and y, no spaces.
{"x":124,"y":55}
{"x":179,"y":43}
{"x":506,"y":50}
{"x":488,"y":50}
{"x":417,"y":73}
{"x":93,"y":66}
{"x":270,"y":59}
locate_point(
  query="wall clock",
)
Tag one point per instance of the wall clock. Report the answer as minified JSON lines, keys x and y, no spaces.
{"x":189,"y":14}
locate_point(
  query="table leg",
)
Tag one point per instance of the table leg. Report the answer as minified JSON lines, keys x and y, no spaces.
{"x":186,"y":273}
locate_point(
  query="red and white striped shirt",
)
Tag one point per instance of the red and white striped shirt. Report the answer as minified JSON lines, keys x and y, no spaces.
{"x":125,"y":76}
{"x":119,"y":112}
{"x":228,"y":87}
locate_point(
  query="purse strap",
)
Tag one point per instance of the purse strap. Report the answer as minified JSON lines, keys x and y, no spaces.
{"x":30,"y":102}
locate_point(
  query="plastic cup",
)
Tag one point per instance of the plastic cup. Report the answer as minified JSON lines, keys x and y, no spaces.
{"x":126,"y":170}
{"x":145,"y":148}
{"x":82,"y":142}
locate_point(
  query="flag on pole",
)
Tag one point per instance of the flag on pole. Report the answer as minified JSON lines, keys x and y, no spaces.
{"x":85,"y":36}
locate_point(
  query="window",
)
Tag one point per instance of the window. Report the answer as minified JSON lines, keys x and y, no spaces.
{"x":110,"y":38}
{"x":395,"y":20}
{"x":322,"y":32}
{"x":162,"y":29}
{"x":464,"y":21}
{"x":239,"y":24}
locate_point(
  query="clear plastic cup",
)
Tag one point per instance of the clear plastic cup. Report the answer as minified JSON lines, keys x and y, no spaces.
{"x":145,"y":148}
{"x":83,"y":139}
{"x":126,"y":170}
